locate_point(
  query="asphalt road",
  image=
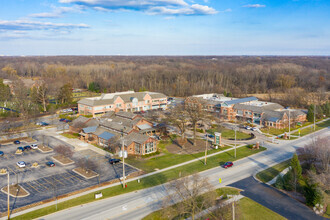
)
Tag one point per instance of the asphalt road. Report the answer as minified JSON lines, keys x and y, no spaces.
{"x":275,"y":200}
{"x":136,"y":205}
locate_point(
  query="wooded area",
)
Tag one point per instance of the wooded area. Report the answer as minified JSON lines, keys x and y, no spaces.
{"x":179,"y":76}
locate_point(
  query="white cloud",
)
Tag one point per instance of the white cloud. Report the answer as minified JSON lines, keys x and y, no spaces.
{"x":24,"y":25}
{"x":254,"y":6}
{"x":163,"y":7}
{"x":57,"y":12}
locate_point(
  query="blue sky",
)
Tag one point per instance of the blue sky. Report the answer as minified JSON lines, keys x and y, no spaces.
{"x":165,"y":27}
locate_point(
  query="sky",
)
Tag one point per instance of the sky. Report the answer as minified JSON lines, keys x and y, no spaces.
{"x":164,"y":27}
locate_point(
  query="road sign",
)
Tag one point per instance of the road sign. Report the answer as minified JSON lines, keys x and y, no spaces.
{"x":220,"y":180}
{"x":217,"y":138}
{"x":121,"y":154}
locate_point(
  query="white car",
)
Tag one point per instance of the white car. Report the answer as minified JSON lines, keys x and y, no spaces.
{"x":21,"y":164}
{"x":34,"y":146}
{"x":254,"y":129}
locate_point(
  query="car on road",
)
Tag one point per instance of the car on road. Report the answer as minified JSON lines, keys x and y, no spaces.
{"x":247,"y":127}
{"x":113,"y":161}
{"x":42,"y":123}
{"x":27,"y":147}
{"x":210,"y":135}
{"x":21,"y":148}
{"x":62,"y":119}
{"x":21,"y":164}
{"x":50,"y":164}
{"x":17,"y":142}
{"x":67,"y":120}
{"x":1,"y":154}
{"x":254,"y":129}
{"x":228,"y":164}
{"x":34,"y":146}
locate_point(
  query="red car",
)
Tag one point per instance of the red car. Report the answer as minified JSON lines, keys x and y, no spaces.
{"x":228,"y":164}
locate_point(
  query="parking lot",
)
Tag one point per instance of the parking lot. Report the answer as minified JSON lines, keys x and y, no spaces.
{"x":46,"y":182}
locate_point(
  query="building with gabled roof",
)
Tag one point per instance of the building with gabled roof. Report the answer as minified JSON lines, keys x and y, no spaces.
{"x":128,"y":101}
{"x":136,"y":131}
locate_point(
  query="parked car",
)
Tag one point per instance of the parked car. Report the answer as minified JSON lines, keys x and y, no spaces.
{"x":21,"y":164}
{"x":17,"y":142}
{"x":210,"y":135}
{"x":27,"y":147}
{"x":21,"y":148}
{"x":254,"y":129}
{"x":62,"y":119}
{"x":247,"y":127}
{"x":50,"y":164}
{"x":1,"y":154}
{"x":34,"y":146}
{"x":228,"y":164}
{"x":67,"y":120}
{"x":113,"y":161}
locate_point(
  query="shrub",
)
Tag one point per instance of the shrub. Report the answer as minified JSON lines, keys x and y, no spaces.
{"x":279,"y":182}
{"x":313,"y":194}
{"x":150,"y":155}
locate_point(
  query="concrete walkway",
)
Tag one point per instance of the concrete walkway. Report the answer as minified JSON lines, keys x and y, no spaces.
{"x":282,"y":174}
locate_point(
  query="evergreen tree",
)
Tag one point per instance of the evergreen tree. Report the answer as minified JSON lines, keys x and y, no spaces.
{"x":296,"y":170}
{"x":310,"y":113}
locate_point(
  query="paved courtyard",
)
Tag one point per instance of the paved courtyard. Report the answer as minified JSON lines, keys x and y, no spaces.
{"x":46,"y":182}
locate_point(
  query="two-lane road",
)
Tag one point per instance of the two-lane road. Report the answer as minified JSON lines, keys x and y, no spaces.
{"x":136,"y":205}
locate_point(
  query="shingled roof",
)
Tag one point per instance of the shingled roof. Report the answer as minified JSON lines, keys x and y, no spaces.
{"x":135,"y":137}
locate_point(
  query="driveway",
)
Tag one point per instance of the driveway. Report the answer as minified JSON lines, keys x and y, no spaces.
{"x":274,"y":200}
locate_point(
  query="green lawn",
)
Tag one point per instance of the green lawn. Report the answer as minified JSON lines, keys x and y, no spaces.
{"x":311,"y":130}
{"x":70,"y":135}
{"x":228,"y":133}
{"x":248,"y":209}
{"x":147,"y":182}
{"x":251,"y":210}
{"x":268,"y":174}
{"x":167,"y":160}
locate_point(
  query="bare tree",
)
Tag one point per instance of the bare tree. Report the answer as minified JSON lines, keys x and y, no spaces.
{"x":87,"y":164}
{"x":63,"y":150}
{"x":190,"y":196}
{"x":195,"y":112}
{"x":179,"y":118}
{"x":39,"y":94}
{"x":317,"y":153}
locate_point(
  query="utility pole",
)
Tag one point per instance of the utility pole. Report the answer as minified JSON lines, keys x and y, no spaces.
{"x":205,"y":149}
{"x":8,"y":196}
{"x":233,"y":207}
{"x":235,"y":140}
{"x":314,"y":115}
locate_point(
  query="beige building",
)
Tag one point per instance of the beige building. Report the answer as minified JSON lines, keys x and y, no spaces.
{"x":128,"y":101}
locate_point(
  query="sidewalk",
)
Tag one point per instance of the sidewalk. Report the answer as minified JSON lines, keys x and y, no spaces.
{"x":115,"y":184}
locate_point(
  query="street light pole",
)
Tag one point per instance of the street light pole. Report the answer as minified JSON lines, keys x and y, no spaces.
{"x":205,"y":149}
{"x":314,"y":115}
{"x":289,"y":124}
{"x":8,"y":197}
{"x":123,"y":152}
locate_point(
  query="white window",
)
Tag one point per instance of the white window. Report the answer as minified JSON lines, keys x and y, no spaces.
{"x":149,"y":147}
{"x":119,"y":105}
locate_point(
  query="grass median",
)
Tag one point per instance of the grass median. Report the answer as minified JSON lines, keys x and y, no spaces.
{"x":147,"y":182}
{"x":271,"y":172}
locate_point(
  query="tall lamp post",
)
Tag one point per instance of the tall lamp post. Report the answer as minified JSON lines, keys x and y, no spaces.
{"x":123,"y":154}
{"x":8,"y":196}
{"x":235,"y":140}
{"x":314,"y":115}
{"x":205,"y":149}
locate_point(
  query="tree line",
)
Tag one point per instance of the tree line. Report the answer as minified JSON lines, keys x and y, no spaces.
{"x":180,"y":76}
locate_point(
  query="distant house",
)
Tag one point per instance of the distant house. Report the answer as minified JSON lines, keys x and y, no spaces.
{"x":82,"y":122}
{"x":248,"y":109}
{"x":115,"y":128}
{"x":128,"y":101}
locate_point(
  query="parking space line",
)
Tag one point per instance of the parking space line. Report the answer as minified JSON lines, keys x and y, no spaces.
{"x":59,"y":181}
{"x":42,"y":184}
{"x":32,"y":186}
{"x":68,"y":179}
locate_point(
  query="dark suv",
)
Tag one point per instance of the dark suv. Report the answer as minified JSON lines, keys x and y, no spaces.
{"x":113,"y":161}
